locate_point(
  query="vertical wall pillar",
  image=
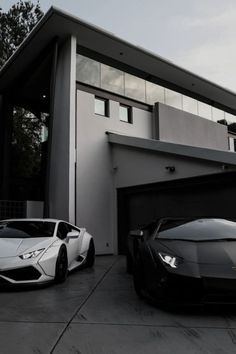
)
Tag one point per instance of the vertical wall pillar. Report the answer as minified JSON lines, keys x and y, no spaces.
{"x":6,"y":116}
{"x":72,"y":132}
{"x":62,"y":149}
{"x":155,"y":122}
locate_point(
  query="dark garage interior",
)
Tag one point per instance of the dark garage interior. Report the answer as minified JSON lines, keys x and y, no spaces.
{"x":211,"y":195}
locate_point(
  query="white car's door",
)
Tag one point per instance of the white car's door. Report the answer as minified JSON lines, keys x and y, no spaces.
{"x":72,"y":244}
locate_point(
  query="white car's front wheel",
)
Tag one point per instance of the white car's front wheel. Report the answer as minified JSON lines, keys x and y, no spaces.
{"x":61,"y":270}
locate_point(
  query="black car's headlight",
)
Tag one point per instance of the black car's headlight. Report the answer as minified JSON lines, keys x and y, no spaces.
{"x":170,"y":260}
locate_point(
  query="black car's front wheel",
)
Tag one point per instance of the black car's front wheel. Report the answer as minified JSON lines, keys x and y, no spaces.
{"x":138,"y":278}
{"x":61,"y":266}
{"x":129,"y":263}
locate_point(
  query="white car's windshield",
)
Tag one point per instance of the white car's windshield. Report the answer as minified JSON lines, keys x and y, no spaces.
{"x":26,"y":229}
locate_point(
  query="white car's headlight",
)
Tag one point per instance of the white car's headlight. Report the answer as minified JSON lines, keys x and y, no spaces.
{"x":32,"y":254}
{"x":171,"y":261}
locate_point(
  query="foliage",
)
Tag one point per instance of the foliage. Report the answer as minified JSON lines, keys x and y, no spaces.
{"x":15,"y":25}
{"x":26,"y":144}
{"x":26,"y":151}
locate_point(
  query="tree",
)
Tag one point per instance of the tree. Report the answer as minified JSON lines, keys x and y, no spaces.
{"x":26,"y":148}
{"x":15,"y":25}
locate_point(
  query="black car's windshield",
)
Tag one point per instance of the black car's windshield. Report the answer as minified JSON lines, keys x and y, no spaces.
{"x":26,"y":229}
{"x":197,"y":229}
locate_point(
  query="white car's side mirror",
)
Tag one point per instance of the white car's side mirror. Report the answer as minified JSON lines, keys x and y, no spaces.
{"x":73,"y":234}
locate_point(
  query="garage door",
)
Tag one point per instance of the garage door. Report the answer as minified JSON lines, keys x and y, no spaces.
{"x":213,"y":195}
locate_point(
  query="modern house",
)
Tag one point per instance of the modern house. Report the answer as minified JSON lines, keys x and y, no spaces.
{"x":131,"y":136}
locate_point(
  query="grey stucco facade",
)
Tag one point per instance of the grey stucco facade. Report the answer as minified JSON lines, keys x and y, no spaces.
{"x":176,"y":126}
{"x":102,"y":166}
{"x":62,"y":154}
{"x":96,"y":192}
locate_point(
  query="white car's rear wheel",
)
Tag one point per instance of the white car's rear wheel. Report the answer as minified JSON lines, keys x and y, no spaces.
{"x":90,"y":258}
{"x":61,"y":266}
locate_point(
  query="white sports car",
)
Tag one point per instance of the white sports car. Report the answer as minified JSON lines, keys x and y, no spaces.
{"x":41,"y":250}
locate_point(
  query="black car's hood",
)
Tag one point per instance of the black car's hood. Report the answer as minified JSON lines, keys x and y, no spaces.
{"x":200,"y":258}
{"x":218,"y":252}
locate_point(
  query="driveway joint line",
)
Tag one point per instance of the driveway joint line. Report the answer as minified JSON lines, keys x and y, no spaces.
{"x":33,"y":322}
{"x":152,"y":325}
{"x":81,"y":305}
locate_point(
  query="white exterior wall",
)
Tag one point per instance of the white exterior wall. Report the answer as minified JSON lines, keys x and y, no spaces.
{"x":176,"y":126}
{"x":34,"y":209}
{"x":95,"y":192}
{"x":136,"y":167}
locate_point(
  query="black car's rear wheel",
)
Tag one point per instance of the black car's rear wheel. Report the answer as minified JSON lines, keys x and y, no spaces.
{"x":61,"y":266}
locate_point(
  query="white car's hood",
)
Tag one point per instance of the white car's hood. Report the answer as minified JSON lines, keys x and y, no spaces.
{"x":11,"y":247}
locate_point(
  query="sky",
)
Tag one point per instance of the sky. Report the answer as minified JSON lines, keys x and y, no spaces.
{"x":198,"y":35}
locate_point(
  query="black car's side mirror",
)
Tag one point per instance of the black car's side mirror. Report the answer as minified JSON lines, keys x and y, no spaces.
{"x":136,"y":233}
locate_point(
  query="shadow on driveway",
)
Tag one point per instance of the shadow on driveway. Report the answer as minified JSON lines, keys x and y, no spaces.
{"x":97,"y":311}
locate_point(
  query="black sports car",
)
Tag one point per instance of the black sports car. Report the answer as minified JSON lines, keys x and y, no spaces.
{"x":185,"y":260}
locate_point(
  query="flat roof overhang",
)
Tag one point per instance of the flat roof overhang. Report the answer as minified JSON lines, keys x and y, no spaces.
{"x":58,"y":24}
{"x":222,"y":157}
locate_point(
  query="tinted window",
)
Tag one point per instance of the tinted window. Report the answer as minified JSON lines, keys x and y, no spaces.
{"x":71,"y":228}
{"x":134,"y":87}
{"x":173,"y":99}
{"x":154,"y":93}
{"x":26,"y":229}
{"x":62,"y":230}
{"x":112,"y":79}
{"x":88,"y":71}
{"x":198,"y":230}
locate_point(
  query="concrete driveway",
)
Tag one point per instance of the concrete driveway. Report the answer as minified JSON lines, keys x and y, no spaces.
{"x":97,"y":312}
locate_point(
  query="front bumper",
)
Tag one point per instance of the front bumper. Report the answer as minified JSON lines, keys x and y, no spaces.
{"x":173,"y":288}
{"x":16,"y":271}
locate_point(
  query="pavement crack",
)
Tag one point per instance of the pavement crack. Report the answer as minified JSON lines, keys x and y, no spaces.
{"x":82,"y":305}
{"x":232,"y":336}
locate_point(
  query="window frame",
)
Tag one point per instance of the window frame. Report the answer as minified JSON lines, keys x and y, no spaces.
{"x":129,"y":111}
{"x":106,"y":106}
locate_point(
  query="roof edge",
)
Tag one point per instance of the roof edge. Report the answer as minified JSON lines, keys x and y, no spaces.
{"x":57,"y":11}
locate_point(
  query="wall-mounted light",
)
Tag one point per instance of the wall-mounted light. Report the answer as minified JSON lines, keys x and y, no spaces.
{"x":224,"y":167}
{"x":170,"y":168}
{"x":44,"y":96}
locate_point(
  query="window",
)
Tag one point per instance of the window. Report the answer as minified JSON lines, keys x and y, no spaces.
{"x":190,"y":105}
{"x":125,"y":113}
{"x":26,"y":229}
{"x":173,"y":99}
{"x":88,"y":71}
{"x":112,"y":79}
{"x":93,"y":73}
{"x":154,"y":93}
{"x":101,"y":107}
{"x":62,"y":230}
{"x":232,"y":143}
{"x":204,"y":110}
{"x":134,"y":87}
